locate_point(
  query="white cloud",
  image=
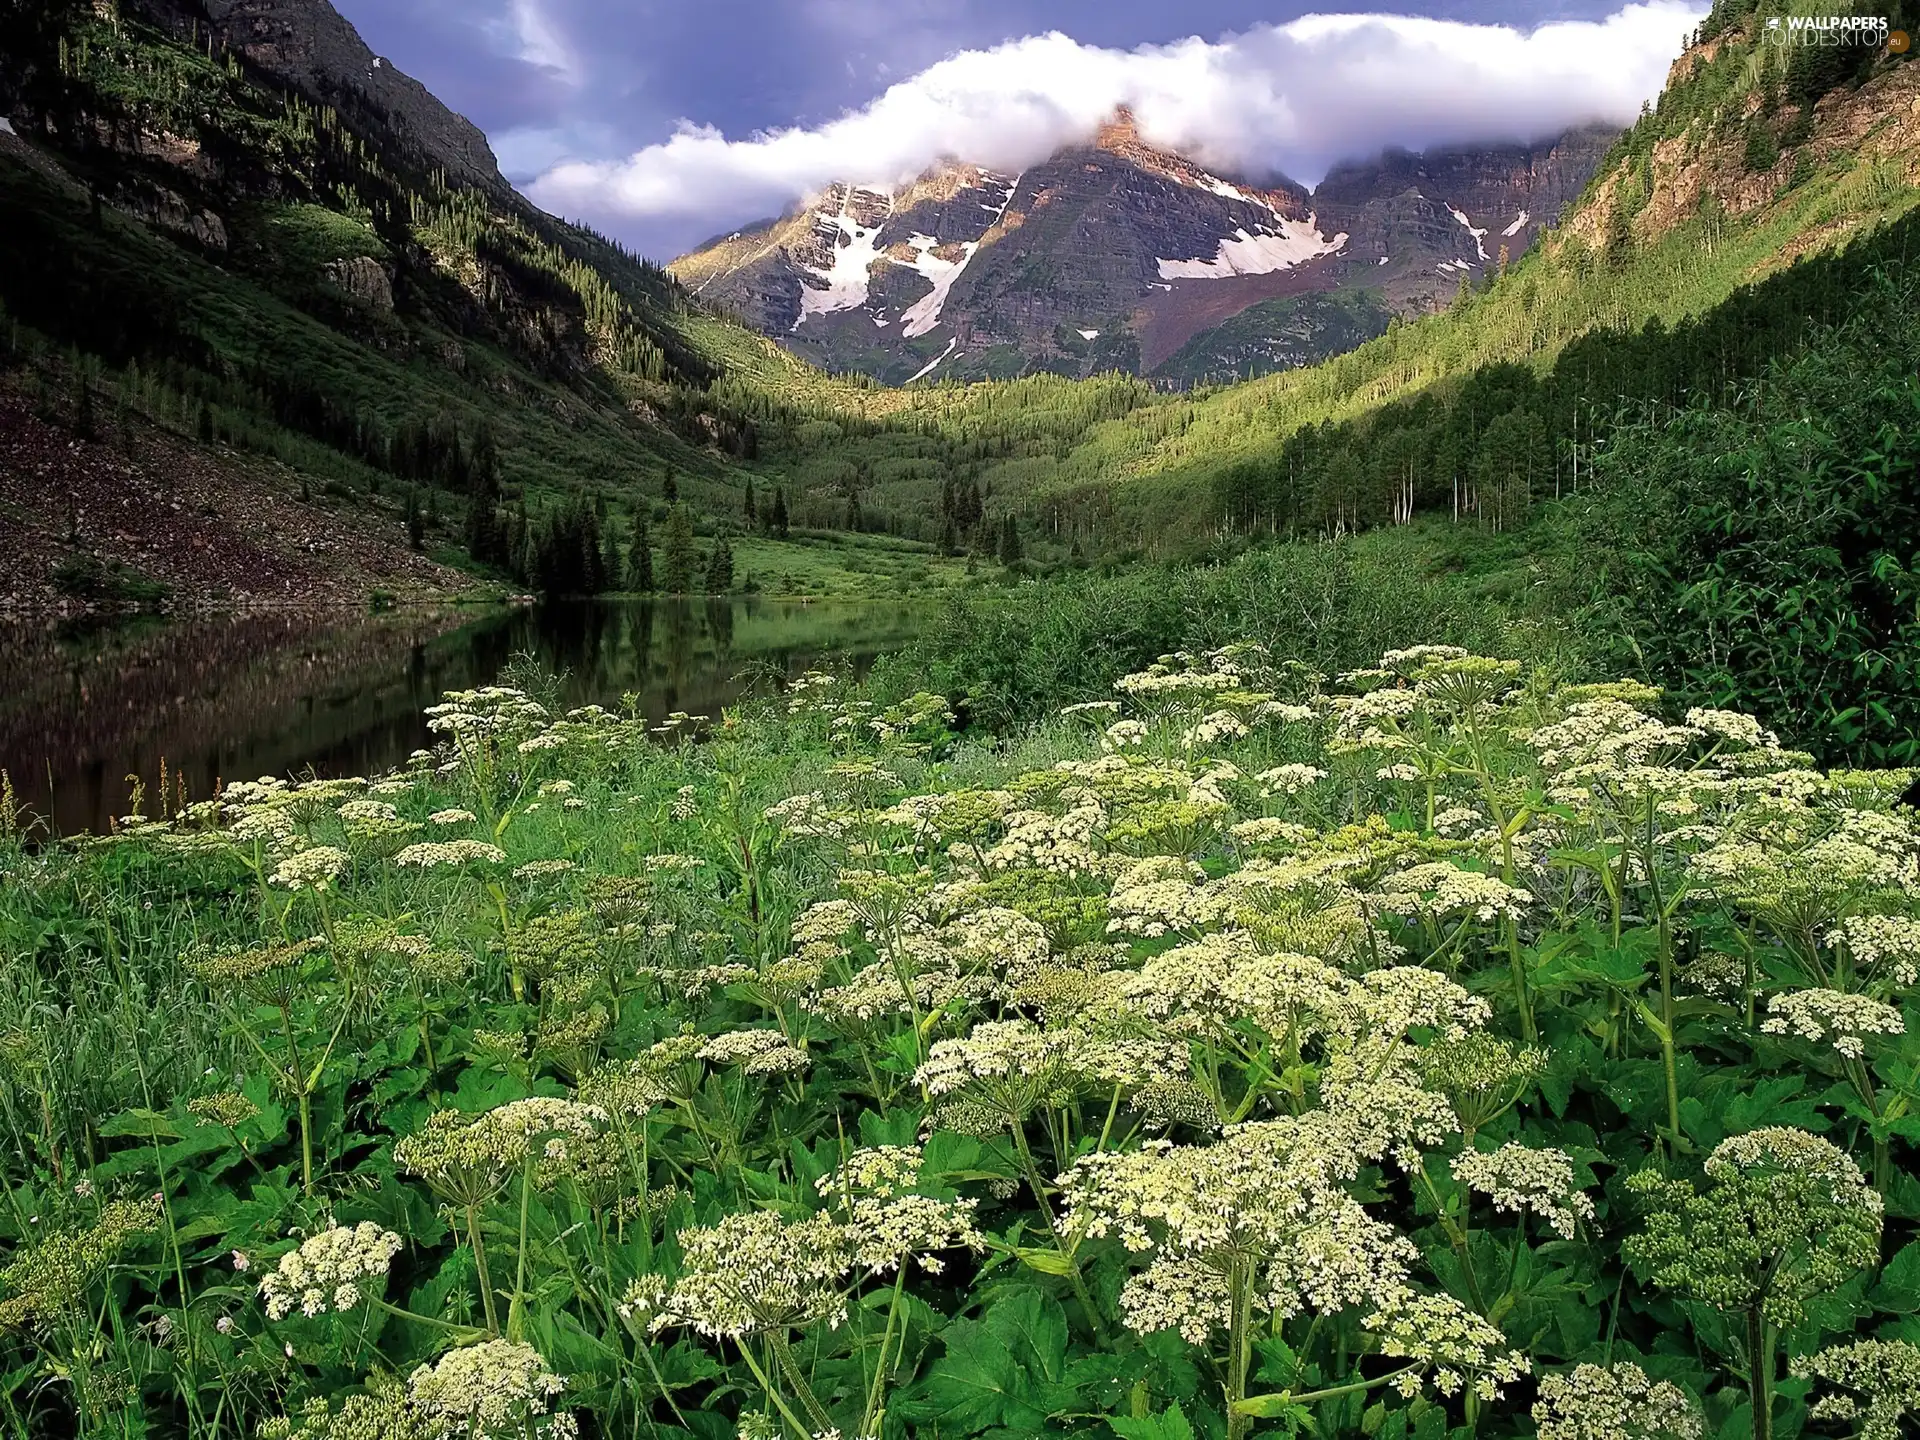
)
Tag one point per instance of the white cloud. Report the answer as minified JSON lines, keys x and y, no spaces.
{"x":529,"y":33}
{"x":1291,"y":98}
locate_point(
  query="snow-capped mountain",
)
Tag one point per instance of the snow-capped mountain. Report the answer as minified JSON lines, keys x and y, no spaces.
{"x":1121,"y":255}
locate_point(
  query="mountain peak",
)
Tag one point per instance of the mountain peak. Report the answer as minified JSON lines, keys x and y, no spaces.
{"x":1120,"y":132}
{"x":1121,"y":254}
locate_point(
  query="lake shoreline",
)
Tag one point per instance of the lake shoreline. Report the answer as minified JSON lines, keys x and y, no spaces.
{"x":190,"y":703}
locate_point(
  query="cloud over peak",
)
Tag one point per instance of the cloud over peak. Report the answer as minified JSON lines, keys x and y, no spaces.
{"x":1293,"y":99}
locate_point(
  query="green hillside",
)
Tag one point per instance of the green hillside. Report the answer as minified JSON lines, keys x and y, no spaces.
{"x":1119,"y":468}
{"x":217,"y":253}
{"x":425,"y":346}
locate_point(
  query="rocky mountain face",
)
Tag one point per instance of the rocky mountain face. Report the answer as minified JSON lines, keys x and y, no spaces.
{"x":311,"y":47}
{"x":1121,"y":255}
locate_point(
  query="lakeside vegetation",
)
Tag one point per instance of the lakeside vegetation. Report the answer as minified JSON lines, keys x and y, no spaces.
{"x":1136,"y":1008}
{"x":1439,"y":1050}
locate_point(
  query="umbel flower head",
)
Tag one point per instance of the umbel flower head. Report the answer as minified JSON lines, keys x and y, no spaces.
{"x":53,"y":1278}
{"x":1519,"y":1178}
{"x":1005,"y":1070}
{"x":227,"y":1108}
{"x":1885,"y":1374}
{"x":1832,"y":1018}
{"x":434,"y":854}
{"x":314,"y":869}
{"x":1455,"y":1347}
{"x":496,"y":1390}
{"x":884,"y":1223}
{"x":1886,"y":946}
{"x":325,"y":1273}
{"x":760,"y":1271}
{"x":272,"y":974}
{"x":1784,"y":1216}
{"x":1269,"y":1195}
{"x":466,"y":1159}
{"x":757,"y":1271}
{"x":1613,"y":1402}
{"x":755,"y":1052}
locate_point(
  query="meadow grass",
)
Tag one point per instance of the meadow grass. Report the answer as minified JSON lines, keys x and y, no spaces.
{"x":1444,"y":1048}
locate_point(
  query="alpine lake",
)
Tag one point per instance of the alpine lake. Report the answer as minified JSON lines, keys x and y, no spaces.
{"x":89,"y":710}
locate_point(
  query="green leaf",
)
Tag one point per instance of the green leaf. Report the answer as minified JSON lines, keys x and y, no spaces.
{"x":1005,"y":1369}
{"x":1765,"y":1104}
{"x":1047,"y":1262}
{"x":1170,"y":1426}
{"x":1277,"y":1406}
{"x":147,"y":1124}
{"x":1898,"y":1289}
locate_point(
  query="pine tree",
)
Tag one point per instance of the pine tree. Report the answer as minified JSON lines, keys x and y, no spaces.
{"x":483,"y":461}
{"x":670,"y":489}
{"x":482,"y":528}
{"x":640,"y":558}
{"x":676,"y":553}
{"x":748,"y":506}
{"x":612,"y":567}
{"x":1009,"y":542}
{"x":779,"y":521}
{"x":720,"y":567}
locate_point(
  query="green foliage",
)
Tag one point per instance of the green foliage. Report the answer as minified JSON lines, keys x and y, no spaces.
{"x":1331,"y":605}
{"x":738,"y":1086}
{"x":1762,"y":550}
{"x":1278,"y":335}
{"x":92,"y":581}
{"x":677,"y":560}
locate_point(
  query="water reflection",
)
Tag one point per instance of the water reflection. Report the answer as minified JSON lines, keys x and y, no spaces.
{"x":237,"y":696}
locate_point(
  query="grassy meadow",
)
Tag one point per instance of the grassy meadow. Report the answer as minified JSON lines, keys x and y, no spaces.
{"x":1448,"y":1047}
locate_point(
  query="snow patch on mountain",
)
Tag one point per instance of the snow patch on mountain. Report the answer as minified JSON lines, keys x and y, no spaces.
{"x":924,"y":314}
{"x":1245,"y":253}
{"x":1089,"y":334}
{"x":1517,"y":226}
{"x":855,"y":248}
{"x":1478,"y":235}
{"x":921,"y":316}
{"x":936,"y":362}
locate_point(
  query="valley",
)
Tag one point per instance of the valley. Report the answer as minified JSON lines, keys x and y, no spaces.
{"x":1103,"y":798}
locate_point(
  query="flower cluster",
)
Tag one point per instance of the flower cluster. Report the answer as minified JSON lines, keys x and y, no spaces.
{"x":755,"y":1052}
{"x":1518,"y":1178}
{"x":1885,"y":1376}
{"x":1785,"y":1216}
{"x":1614,"y":1402}
{"x":49,"y":1281}
{"x":432,"y":854}
{"x":496,"y":1390}
{"x":1877,"y":941}
{"x":1833,"y":1018}
{"x":325,"y":1272}
{"x":314,"y":869}
{"x":1438,"y":889}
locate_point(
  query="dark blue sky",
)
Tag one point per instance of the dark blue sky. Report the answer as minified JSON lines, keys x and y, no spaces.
{"x":596,"y":80}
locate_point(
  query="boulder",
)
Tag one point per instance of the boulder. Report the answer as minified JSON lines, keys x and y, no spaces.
{"x":365,"y":279}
